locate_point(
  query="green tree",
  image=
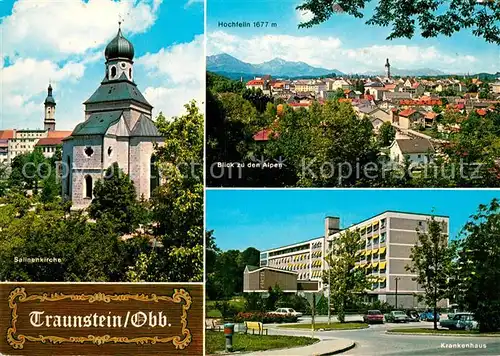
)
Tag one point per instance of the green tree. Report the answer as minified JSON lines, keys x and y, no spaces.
{"x":386,"y":134}
{"x":51,"y":188}
{"x":250,"y":256}
{"x":346,"y":283}
{"x":177,"y":204}
{"x":338,"y":94}
{"x":227,"y":279}
{"x":28,"y":170}
{"x":478,"y":274}
{"x":115,"y":199}
{"x":87,"y":251}
{"x":432,"y":260}
{"x":428,"y":19}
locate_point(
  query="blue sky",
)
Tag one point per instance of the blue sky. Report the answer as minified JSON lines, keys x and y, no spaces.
{"x":271,"y":218}
{"x":64,"y":41}
{"x":343,"y":42}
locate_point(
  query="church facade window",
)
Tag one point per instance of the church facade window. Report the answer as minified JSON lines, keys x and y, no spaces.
{"x":89,"y":151}
{"x":154,"y":175}
{"x":88,"y":187}
{"x":113,"y":72}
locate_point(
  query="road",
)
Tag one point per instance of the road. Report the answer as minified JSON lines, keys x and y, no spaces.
{"x":374,"y":341}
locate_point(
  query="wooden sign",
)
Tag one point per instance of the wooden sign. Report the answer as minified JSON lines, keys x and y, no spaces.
{"x":101,"y":319}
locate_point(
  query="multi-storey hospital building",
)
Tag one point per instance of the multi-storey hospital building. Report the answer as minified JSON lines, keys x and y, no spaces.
{"x":387,"y":239}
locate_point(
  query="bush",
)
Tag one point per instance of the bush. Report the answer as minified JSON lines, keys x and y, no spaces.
{"x":384,"y":307}
{"x":265,"y":318}
{"x":227,"y":310}
{"x":254,"y":302}
{"x":295,"y":302}
{"x":322,"y":306}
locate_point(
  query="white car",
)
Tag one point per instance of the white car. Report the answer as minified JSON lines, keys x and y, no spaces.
{"x":287,"y":311}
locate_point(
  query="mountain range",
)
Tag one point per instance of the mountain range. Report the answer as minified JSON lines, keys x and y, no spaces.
{"x":227,"y":65}
{"x":277,"y":67}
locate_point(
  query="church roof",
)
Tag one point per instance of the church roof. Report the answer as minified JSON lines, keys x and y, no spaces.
{"x":145,"y":127}
{"x":97,"y":123}
{"x":119,"y":47}
{"x":117,"y":90}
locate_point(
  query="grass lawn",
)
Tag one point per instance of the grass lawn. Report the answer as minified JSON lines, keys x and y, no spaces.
{"x":325,"y":326}
{"x":439,"y":331}
{"x":215,"y":341}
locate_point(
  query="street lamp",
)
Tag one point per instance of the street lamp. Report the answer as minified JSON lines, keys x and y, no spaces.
{"x":396,"y":301}
{"x":329,"y":288}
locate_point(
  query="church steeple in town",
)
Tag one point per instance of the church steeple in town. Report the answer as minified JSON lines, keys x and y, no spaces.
{"x":49,"y":122}
{"x":119,"y":54}
{"x":387,"y":69}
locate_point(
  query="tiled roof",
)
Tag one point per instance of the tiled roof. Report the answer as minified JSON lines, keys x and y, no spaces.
{"x":255,"y":82}
{"x":117,"y":91}
{"x":407,"y":112}
{"x":145,"y":127}
{"x":97,"y":123}
{"x":50,"y":141}
{"x":430,"y":115}
{"x":481,"y":112}
{"x":418,"y":145}
{"x":6,"y":134}
{"x":58,"y":134}
{"x":431,"y":102}
{"x":262,"y":135}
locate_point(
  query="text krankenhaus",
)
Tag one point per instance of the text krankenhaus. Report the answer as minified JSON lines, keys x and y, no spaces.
{"x":138,"y":319}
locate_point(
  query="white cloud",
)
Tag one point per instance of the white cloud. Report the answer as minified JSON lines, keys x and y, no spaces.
{"x":25,"y":79}
{"x":58,"y":29}
{"x":310,"y":49}
{"x":192,"y":2}
{"x":304,"y":15}
{"x":331,"y":53}
{"x":181,"y":69}
{"x":58,"y":41}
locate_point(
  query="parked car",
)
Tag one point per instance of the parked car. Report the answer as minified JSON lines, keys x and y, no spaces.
{"x":461,"y":321}
{"x":373,"y":316}
{"x":429,"y":316}
{"x":287,"y":311}
{"x":413,"y":315}
{"x":397,"y":316}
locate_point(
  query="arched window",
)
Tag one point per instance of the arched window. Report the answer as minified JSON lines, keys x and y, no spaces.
{"x":154,"y":175}
{"x":130,"y":73}
{"x":113,"y":72}
{"x":88,"y":187}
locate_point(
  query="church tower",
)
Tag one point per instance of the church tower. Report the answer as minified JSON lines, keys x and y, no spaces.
{"x":387,"y":69}
{"x":49,"y":123}
{"x":119,"y":54}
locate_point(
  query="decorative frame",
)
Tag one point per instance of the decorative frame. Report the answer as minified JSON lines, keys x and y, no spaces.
{"x":179,"y":295}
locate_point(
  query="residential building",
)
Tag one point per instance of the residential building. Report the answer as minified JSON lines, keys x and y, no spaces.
{"x":5,"y":136}
{"x":383,"y":254}
{"x":495,"y":87}
{"x":418,"y":150}
{"x":24,"y":141}
{"x":407,"y":118}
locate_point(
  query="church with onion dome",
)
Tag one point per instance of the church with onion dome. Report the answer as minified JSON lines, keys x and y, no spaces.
{"x":118,"y":127}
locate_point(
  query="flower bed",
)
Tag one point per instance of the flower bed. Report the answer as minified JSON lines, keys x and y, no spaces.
{"x":265,"y":318}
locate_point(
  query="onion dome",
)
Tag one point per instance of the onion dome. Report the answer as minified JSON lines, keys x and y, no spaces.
{"x":49,"y":99}
{"x":119,"y":47}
